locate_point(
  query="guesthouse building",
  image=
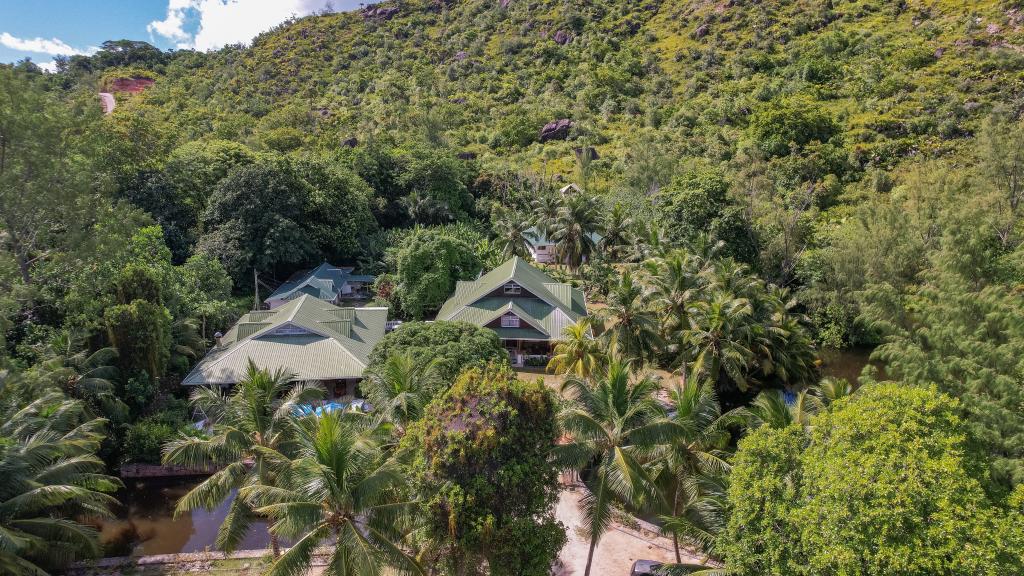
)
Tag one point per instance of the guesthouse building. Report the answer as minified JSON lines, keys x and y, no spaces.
{"x":307,"y":338}
{"x":527,"y":308}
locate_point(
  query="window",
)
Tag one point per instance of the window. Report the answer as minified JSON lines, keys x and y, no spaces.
{"x":542,"y":248}
{"x":509,"y":320}
{"x":513,"y":288}
{"x":288,"y":330}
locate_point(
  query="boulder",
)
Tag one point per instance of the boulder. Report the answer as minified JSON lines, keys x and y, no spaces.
{"x":557,"y":130}
{"x":504,"y":3}
{"x":562,"y":37}
{"x":701,"y":31}
{"x":461,"y":55}
{"x":587,"y":153}
{"x":380,"y":12}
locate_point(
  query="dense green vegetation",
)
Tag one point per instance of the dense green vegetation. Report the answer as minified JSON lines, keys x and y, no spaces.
{"x":756,"y":181}
{"x":487,"y":438}
{"x":826,"y":501}
{"x":448,"y":347}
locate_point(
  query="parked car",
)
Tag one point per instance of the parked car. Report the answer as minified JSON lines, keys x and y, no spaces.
{"x":644,"y":568}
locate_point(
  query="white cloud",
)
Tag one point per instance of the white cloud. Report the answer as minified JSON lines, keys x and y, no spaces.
{"x":53,"y":46}
{"x":221,"y":22}
{"x":173,"y":25}
{"x":50,"y":66}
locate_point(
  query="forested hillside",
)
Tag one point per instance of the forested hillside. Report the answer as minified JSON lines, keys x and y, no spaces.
{"x":783,"y":116}
{"x":756,"y":181}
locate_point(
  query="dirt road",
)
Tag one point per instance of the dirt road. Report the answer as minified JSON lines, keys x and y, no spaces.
{"x":617,"y":549}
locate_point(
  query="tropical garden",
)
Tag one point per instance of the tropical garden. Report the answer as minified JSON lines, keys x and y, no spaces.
{"x":755,"y":184}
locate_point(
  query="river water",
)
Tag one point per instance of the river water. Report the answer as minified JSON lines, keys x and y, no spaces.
{"x":145,"y":524}
{"x":845,"y":363}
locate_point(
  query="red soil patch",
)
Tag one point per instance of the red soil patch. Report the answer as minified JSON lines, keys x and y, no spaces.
{"x":132,"y":85}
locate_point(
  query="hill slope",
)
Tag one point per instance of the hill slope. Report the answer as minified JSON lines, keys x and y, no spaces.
{"x":796,"y":111}
{"x":486,"y":75}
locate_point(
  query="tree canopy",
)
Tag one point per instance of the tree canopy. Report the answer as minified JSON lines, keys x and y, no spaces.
{"x":488,"y":437}
{"x":884,"y":483}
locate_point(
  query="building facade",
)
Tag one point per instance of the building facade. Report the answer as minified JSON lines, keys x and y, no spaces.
{"x":526,"y":308}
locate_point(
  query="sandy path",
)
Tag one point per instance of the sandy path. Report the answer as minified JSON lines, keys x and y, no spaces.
{"x":617,"y":549}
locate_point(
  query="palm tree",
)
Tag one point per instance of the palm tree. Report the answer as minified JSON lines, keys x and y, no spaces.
{"x":771,"y":409}
{"x":426,"y":210}
{"x":649,"y":241}
{"x":611,"y":422}
{"x":574,"y":228}
{"x":634,"y":331}
{"x":51,"y":477}
{"x":831,"y":389}
{"x":720,"y":337}
{"x":728,"y":276}
{"x":82,"y":375}
{"x":490,"y":254}
{"x":400,"y":389}
{"x":694,"y":450}
{"x":674,"y":282}
{"x":338,"y":489}
{"x":545,"y":213}
{"x":577,"y":353}
{"x":512,"y":233}
{"x":618,"y":228}
{"x":701,"y":517}
{"x":253,"y":418}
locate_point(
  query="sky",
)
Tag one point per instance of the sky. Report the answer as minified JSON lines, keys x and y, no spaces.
{"x":42,"y":29}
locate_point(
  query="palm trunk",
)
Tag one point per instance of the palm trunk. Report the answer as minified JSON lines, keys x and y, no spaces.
{"x":675,"y":535}
{"x":590,"y":554}
{"x":275,"y":545}
{"x":594,"y":533}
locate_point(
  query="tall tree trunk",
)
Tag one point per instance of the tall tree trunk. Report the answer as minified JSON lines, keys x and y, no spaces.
{"x":590,"y":554}
{"x":275,"y":545}
{"x":21,"y":255}
{"x":594,"y":533}
{"x":675,"y":535}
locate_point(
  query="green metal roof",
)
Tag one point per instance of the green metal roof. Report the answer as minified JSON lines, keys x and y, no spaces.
{"x":324,"y":282}
{"x":556,"y":305}
{"x":307,"y":337}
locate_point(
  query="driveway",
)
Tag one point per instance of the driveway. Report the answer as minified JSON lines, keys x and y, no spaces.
{"x":616,"y":550}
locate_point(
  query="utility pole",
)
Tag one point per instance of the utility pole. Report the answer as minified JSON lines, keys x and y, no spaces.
{"x":256,"y":294}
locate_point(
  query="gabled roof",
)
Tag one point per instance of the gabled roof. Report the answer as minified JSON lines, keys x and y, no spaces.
{"x":537,"y":238}
{"x":556,"y":304}
{"x":323,"y":282}
{"x":307,"y":337}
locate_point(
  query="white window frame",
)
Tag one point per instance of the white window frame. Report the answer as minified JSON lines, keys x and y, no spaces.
{"x":510,"y":320}
{"x":513,"y":289}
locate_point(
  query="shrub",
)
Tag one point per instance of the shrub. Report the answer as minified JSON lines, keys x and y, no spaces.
{"x":453,"y":346}
{"x":795,"y":120}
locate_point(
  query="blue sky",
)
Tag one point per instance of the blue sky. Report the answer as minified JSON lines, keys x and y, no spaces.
{"x":41,"y":29}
